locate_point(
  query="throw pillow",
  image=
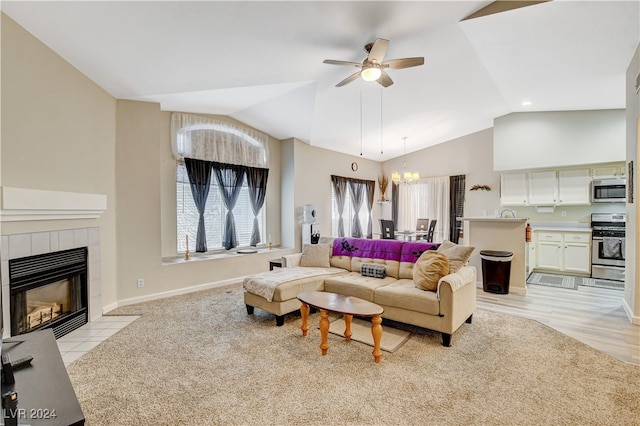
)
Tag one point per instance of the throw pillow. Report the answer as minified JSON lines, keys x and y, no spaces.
{"x":371,"y":270}
{"x":315,"y":255}
{"x":429,"y":268}
{"x":458,"y":255}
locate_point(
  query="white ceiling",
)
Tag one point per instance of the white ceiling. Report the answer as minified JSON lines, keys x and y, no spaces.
{"x":261,"y":62}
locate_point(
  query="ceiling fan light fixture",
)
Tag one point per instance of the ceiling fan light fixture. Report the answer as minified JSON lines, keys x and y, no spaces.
{"x":371,"y":73}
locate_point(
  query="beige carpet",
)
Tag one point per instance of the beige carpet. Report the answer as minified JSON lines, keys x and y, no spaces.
{"x":392,"y":338}
{"x":199,"y":359}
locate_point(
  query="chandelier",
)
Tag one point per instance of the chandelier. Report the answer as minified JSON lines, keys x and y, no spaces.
{"x":406,"y":176}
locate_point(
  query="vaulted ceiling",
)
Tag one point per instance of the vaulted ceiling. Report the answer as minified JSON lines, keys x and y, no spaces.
{"x":261,"y":62}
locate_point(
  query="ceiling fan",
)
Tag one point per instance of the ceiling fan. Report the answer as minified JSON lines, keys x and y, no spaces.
{"x":373,"y":68}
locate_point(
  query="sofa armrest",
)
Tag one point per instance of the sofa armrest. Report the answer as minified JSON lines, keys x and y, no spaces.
{"x":291,"y":260}
{"x":465,"y":276}
{"x":457,"y":296}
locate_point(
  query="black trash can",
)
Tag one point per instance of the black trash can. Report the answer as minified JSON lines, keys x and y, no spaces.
{"x":496,"y":271}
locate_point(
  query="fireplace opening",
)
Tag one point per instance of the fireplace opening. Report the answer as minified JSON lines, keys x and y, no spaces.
{"x":49,"y":291}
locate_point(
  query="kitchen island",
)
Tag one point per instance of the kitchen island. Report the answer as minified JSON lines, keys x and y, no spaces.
{"x":501,"y":234}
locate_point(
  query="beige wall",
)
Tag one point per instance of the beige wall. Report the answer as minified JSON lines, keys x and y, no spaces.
{"x":470,"y":155}
{"x":147,"y":210}
{"x":310,"y":181}
{"x":58,"y":133}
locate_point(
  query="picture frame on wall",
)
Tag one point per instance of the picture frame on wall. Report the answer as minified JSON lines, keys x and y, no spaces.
{"x":630,"y":182}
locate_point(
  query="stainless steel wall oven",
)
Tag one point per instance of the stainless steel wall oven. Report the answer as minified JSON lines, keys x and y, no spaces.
{"x":608,"y":245}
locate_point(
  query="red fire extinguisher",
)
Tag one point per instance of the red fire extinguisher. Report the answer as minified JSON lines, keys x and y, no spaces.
{"x":527,"y":233}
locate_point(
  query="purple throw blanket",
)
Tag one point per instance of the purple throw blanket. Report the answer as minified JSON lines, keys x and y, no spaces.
{"x":381,"y":249}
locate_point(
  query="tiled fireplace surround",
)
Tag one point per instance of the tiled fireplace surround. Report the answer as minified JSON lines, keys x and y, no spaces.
{"x":29,"y":244}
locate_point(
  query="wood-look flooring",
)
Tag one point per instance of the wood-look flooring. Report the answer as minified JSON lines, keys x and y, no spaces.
{"x":594,"y":316}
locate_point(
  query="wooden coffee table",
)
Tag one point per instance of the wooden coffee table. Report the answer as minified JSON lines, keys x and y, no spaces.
{"x":348,"y":306}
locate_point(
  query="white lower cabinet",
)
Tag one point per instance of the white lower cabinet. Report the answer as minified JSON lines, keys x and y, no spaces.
{"x":577,"y":258}
{"x":568,"y":252}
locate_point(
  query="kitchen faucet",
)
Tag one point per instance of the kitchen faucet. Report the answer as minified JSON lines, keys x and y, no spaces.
{"x":513,"y":214}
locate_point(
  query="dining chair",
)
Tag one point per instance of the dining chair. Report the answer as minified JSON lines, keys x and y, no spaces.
{"x":432,"y":229}
{"x":422,"y":225}
{"x":387,"y":229}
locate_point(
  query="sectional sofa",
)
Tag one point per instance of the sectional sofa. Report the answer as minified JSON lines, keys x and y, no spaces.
{"x":380,"y":271}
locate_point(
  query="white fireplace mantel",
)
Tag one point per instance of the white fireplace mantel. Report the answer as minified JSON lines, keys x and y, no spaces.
{"x":23,"y":204}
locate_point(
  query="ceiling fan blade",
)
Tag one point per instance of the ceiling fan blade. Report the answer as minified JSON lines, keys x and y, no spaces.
{"x":334,"y":62}
{"x":395,"y":64}
{"x":378,"y":50}
{"x":348,"y":79}
{"x":501,"y":6}
{"x":385,"y":80}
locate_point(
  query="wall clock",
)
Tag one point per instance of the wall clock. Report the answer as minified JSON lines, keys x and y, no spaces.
{"x":354,"y":166}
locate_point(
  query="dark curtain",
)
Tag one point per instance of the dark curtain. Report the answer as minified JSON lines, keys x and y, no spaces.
{"x":257,"y":183}
{"x":340,"y":189}
{"x":199,"y":173}
{"x":456,"y":206}
{"x":230,"y":178}
{"x":395,"y":196}
{"x":357,"y":191}
{"x":371,"y":189}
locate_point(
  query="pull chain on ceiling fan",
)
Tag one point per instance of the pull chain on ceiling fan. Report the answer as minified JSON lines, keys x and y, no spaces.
{"x":373,"y":68}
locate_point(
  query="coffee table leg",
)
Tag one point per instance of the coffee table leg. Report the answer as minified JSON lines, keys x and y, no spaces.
{"x":304,"y":310}
{"x":324,"y":330}
{"x":376,"y":332}
{"x":347,"y":327}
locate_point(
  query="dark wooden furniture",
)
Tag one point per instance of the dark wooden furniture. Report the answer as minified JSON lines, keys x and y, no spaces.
{"x":45,"y":393}
{"x":387,"y":231}
{"x":432,"y":228}
{"x":275,"y":263}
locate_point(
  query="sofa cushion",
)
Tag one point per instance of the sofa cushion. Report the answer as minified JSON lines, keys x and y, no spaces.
{"x":431,"y":266}
{"x":403,"y":294}
{"x":411,"y":252}
{"x":458,"y":255}
{"x":315,"y":255}
{"x":373,"y":271}
{"x":361,"y":250}
{"x":354,"y":284}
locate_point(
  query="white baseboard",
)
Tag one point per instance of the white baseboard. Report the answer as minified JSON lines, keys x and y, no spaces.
{"x":169,"y":293}
{"x":627,"y":309}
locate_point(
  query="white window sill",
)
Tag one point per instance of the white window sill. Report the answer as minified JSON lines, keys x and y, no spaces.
{"x":198,"y":257}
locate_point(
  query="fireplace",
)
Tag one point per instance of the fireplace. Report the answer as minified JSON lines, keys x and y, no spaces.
{"x":49,"y":291}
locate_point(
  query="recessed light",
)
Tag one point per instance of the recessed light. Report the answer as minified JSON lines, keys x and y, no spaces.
{"x":525,"y":103}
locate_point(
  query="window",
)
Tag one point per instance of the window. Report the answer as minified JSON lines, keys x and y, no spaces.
{"x":347,"y":215}
{"x":214,"y":216}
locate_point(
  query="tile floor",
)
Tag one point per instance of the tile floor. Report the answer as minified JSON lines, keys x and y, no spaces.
{"x":80,"y":341}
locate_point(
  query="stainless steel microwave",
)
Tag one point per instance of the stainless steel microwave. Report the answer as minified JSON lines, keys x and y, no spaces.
{"x":609,"y":191}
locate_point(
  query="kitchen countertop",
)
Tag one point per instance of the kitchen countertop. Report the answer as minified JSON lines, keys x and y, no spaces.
{"x":559,"y":229}
{"x":494,"y":219}
{"x":560,"y":226}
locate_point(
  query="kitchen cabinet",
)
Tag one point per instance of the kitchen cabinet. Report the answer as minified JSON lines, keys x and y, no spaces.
{"x":549,"y":251}
{"x":543,"y":188}
{"x":530,"y":262}
{"x":513,"y":189}
{"x":573,"y":187}
{"x":563,"y":251}
{"x":609,"y":172}
{"x":546,"y":188}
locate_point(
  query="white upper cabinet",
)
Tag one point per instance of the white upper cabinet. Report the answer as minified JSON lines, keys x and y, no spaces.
{"x":573,"y":187}
{"x":609,"y":172}
{"x":543,"y":188}
{"x":567,"y":187}
{"x":513,"y":189}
